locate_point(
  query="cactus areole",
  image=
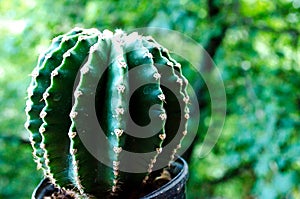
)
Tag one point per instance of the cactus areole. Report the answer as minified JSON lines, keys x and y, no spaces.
{"x":122,"y":81}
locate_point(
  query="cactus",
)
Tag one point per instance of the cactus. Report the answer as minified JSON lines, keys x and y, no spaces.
{"x":84,"y":65}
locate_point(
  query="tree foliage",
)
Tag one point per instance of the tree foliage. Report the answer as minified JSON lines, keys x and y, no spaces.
{"x":255,"y":45}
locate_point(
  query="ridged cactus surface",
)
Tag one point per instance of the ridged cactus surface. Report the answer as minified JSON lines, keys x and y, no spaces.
{"x":86,"y":71}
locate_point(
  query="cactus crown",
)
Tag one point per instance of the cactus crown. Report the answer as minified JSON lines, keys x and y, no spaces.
{"x":84,"y":65}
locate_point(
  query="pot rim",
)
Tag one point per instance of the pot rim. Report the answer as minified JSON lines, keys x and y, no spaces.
{"x":178,"y":181}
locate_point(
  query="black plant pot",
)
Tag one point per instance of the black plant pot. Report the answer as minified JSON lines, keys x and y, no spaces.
{"x":174,"y":189}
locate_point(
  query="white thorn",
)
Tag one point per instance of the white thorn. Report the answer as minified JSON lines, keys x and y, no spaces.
{"x":73,"y":151}
{"x":120,"y":111}
{"x":73,"y":114}
{"x":45,"y":95}
{"x":26,"y":125}
{"x":178,"y":146}
{"x":120,"y":40}
{"x":72,"y":134}
{"x":54,"y":73}
{"x":119,"y":34}
{"x":134,"y":36}
{"x":115,"y":181}
{"x":186,"y":81}
{"x":186,"y":99}
{"x":107,"y":34}
{"x":115,"y":168}
{"x":163,"y":116}
{"x":39,"y":166}
{"x":114,"y":188}
{"x":122,"y":63}
{"x":159,"y":150}
{"x":85,"y":69}
{"x":153,"y":161}
{"x":42,"y":130}
{"x":145,"y":179}
{"x":170,"y":63}
{"x":178,"y":65}
{"x":172,"y":157}
{"x":117,"y":149}
{"x":48,"y":56}
{"x":43,"y":114}
{"x":47,"y":161}
{"x":31,"y":139}
{"x":187,"y":116}
{"x":116,"y":172}
{"x":116,"y":163}
{"x":56,"y":39}
{"x":184,"y":133}
{"x":35,"y":73}
{"x":148,"y":55}
{"x":150,"y":168}
{"x":162,"y":97}
{"x":28,"y":108}
{"x":29,"y":103}
{"x":93,"y":49}
{"x":119,"y":31}
{"x":121,"y":88}
{"x":80,"y":38}
{"x":42,"y":145}
{"x":77,"y":93}
{"x":30,"y":92}
{"x":100,"y":36}
{"x":180,"y":81}
{"x":64,"y":39}
{"x":157,"y":76}
{"x":118,"y":132}
{"x":162,"y":136}
{"x":67,"y":54}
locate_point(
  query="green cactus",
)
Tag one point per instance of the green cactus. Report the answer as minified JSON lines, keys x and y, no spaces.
{"x":63,"y":83}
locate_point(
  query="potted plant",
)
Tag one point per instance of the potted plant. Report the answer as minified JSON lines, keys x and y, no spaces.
{"x":106,"y":113}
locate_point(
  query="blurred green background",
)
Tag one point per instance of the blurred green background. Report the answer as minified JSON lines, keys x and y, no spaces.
{"x":254,"y":43}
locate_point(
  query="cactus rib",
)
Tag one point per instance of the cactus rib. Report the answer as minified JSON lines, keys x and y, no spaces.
{"x":140,"y":59}
{"x":171,"y":78}
{"x":55,"y":114}
{"x":40,"y":81}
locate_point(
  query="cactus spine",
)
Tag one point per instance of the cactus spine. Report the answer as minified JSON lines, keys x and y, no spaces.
{"x":86,"y":66}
